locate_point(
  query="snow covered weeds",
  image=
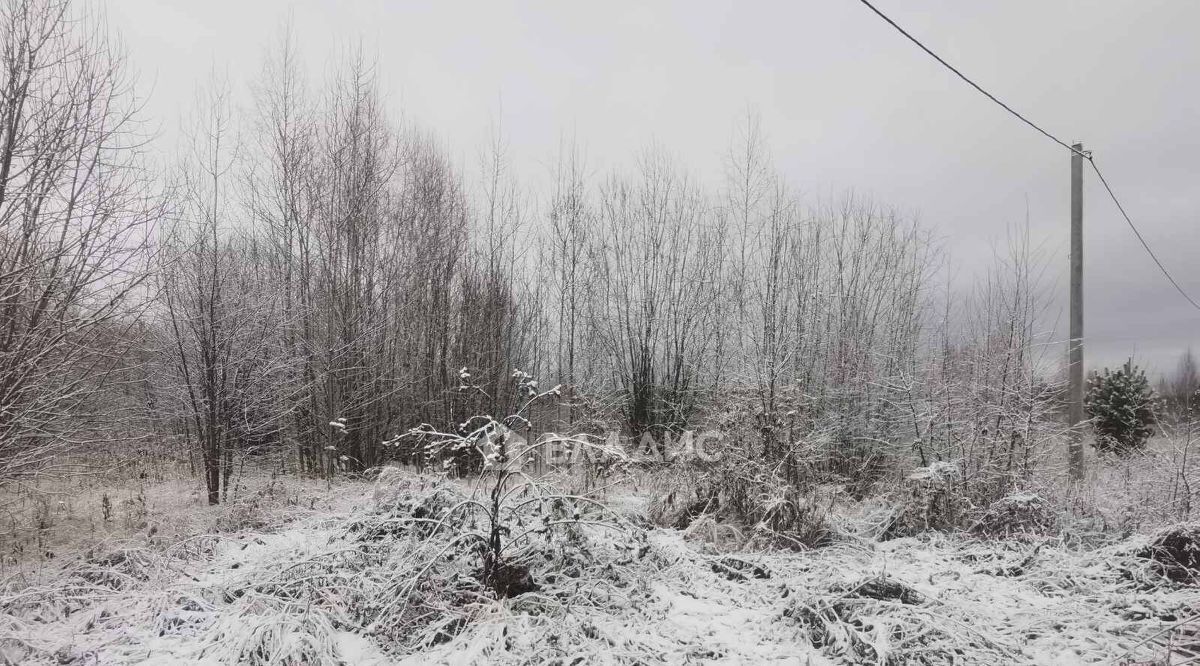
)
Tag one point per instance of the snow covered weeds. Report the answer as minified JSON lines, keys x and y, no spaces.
{"x":401,"y":576}
{"x":397,"y":580}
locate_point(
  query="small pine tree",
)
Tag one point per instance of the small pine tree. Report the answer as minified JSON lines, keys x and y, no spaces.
{"x":1121,"y":406}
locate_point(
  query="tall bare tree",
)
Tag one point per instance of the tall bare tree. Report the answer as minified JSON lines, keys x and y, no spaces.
{"x":221,"y":313}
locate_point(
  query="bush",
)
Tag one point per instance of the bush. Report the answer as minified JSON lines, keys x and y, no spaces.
{"x":1177,"y":552}
{"x":741,"y":498}
{"x":932,"y":500}
{"x":1121,"y":406}
{"x":1020,"y":514}
{"x":508,"y":514}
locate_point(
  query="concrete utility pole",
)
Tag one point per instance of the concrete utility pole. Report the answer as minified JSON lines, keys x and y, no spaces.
{"x":1075,"y":353}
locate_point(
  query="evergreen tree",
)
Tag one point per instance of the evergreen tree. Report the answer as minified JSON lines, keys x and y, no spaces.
{"x":1121,"y":406}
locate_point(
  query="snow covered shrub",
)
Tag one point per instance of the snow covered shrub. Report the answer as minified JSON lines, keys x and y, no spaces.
{"x":283,"y":634}
{"x":1176,"y":550}
{"x":394,"y":485}
{"x":882,"y":588}
{"x":932,"y":500}
{"x":1121,"y":406}
{"x":118,"y":570}
{"x":1019,"y":514}
{"x":715,"y":535}
{"x":408,"y":504}
{"x":500,"y":537}
{"x":741,"y":489}
{"x":507,"y":506}
{"x":680,"y":504}
{"x":856,"y":455}
{"x":245,"y":514}
{"x":442,"y":562}
{"x":881,"y":620}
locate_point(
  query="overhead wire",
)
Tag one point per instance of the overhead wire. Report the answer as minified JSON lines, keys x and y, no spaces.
{"x":1085,"y":154}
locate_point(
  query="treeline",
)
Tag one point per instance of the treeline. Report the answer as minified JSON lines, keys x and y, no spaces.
{"x":1179,"y":389}
{"x":313,"y":278}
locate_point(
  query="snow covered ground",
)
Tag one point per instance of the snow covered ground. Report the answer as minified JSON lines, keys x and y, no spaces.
{"x":325,"y":586}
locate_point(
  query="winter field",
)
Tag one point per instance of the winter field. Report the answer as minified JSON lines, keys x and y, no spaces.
{"x":384,"y":571}
{"x":302,"y":380}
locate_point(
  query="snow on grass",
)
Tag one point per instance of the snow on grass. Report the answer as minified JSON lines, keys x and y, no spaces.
{"x":306,"y":591}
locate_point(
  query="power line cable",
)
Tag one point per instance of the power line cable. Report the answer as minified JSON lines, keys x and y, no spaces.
{"x":1086,"y":154}
{"x":974,"y":85}
{"x":1139,"y":237}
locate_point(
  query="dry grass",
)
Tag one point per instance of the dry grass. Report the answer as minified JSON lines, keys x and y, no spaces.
{"x":47,"y":522}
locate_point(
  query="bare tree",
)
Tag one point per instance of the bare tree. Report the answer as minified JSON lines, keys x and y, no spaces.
{"x":280,"y":196}
{"x":750,"y":185}
{"x":570,"y":222}
{"x":221,"y":313}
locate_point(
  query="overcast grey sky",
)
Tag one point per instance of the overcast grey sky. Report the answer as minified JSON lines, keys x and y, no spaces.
{"x":847,"y":103}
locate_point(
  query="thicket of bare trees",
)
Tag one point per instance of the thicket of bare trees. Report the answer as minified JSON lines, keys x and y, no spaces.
{"x":324,"y":278}
{"x":76,"y":209}
{"x":328,"y":297}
